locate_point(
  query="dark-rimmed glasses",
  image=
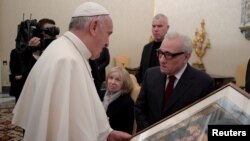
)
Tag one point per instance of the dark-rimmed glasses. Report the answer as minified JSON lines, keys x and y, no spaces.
{"x":167,"y":55}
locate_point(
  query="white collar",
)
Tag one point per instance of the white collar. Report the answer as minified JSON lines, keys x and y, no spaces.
{"x":179,"y":74}
{"x":81,"y":47}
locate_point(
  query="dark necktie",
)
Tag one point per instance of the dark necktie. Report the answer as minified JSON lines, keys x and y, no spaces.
{"x":169,"y":89}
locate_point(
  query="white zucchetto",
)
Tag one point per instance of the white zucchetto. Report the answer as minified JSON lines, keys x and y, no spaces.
{"x":90,"y":9}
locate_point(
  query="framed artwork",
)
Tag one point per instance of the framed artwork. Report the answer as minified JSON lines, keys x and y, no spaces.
{"x":227,"y":105}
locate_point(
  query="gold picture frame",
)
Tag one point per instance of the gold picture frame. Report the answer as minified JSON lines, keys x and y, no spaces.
{"x":227,"y":105}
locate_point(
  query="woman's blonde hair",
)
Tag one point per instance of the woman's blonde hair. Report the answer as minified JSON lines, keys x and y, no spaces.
{"x":127,"y":84}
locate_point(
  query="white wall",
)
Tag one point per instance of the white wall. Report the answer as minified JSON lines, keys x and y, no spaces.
{"x":131,"y":18}
{"x":222,"y":17}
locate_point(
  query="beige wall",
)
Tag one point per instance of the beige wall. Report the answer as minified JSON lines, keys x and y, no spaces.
{"x":228,"y":46}
{"x":132,"y":26}
{"x":132,"y":22}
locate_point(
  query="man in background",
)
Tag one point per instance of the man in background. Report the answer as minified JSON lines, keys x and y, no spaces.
{"x":46,"y":31}
{"x":59,"y":101}
{"x":149,"y":58}
{"x":103,"y":62}
{"x":22,"y":60}
{"x":98,"y":67}
{"x":174,"y":84}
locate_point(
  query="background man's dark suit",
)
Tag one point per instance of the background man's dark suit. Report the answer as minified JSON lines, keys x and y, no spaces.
{"x":20,"y":64}
{"x":96,"y":74}
{"x":192,"y":86}
{"x":147,"y":60}
{"x":103,"y":62}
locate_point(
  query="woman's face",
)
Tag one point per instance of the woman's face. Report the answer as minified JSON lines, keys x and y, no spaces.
{"x":114,"y":82}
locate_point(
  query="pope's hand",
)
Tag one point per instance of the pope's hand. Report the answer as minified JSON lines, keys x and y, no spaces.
{"x":118,"y":136}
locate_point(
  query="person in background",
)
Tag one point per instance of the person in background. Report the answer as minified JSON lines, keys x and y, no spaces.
{"x":42,"y":38}
{"x":117,"y":101}
{"x":103,"y":62}
{"x":96,"y":74}
{"x":247,"y":86}
{"x":155,"y":101}
{"x":149,"y":58}
{"x":98,"y":67}
{"x":59,"y":101}
{"x":21,"y":62}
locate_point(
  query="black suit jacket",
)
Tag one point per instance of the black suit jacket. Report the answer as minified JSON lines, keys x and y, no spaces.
{"x":248,"y":77}
{"x":20,"y":64}
{"x":192,"y":86}
{"x":103,"y":62}
{"x":96,"y":74}
{"x":121,"y":113}
{"x":145,"y":61}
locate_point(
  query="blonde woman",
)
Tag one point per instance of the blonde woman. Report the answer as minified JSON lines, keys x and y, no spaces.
{"x":116,"y":99}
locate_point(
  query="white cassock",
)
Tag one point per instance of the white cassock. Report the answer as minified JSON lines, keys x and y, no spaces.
{"x":59,"y":101}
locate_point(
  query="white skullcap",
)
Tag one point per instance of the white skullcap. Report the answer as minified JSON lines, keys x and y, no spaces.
{"x":90,"y":9}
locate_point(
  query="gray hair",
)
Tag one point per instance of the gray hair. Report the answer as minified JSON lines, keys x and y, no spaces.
{"x":79,"y":23}
{"x":160,"y":15}
{"x":186,"y":41}
{"x":127,"y":84}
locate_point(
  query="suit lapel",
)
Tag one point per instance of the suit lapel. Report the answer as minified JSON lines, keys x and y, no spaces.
{"x":182,"y":86}
{"x":161,"y":91}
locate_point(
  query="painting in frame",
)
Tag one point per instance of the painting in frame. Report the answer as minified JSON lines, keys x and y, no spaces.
{"x":227,"y":105}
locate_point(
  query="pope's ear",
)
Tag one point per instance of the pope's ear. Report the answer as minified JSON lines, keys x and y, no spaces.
{"x":93,"y":26}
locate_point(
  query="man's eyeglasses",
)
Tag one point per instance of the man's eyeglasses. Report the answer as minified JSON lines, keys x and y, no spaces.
{"x":167,"y":55}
